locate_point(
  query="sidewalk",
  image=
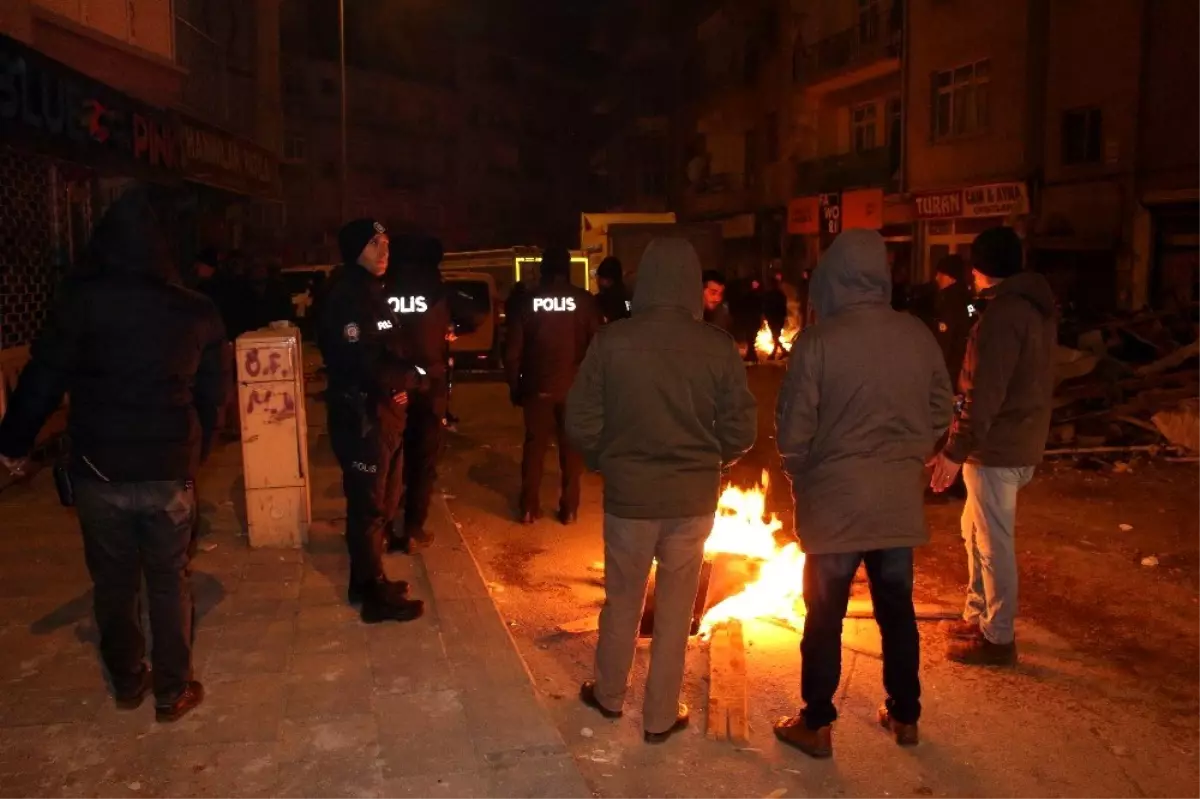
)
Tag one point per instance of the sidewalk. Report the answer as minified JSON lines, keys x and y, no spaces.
{"x":302,"y":698}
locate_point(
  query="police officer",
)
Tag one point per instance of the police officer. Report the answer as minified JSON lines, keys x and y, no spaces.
{"x":545,"y":346}
{"x":612,"y":297}
{"x":427,"y":309}
{"x":370,"y":384}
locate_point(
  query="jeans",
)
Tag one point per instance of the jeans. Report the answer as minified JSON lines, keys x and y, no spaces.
{"x":131,"y":530}
{"x":630,"y":548}
{"x":544,"y":419}
{"x":827,"y":580}
{"x":988,"y":530}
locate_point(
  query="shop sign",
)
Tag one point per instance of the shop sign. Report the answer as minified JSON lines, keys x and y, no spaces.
{"x":993,"y":199}
{"x":55,"y":106}
{"x":862,"y":209}
{"x":804,"y":216}
{"x":738,"y":227}
{"x":831,"y":214}
{"x":220,"y":159}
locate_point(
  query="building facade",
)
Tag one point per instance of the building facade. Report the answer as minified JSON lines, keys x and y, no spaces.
{"x":95,"y":95}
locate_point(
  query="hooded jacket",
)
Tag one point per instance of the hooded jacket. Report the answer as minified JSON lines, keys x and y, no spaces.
{"x":864,"y":401}
{"x":139,"y":355}
{"x":661,"y":403}
{"x":1007,"y":379}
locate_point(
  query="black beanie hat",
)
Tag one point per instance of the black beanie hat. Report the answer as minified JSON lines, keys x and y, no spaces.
{"x":556,"y":262}
{"x":610,"y":269}
{"x":952,"y":265}
{"x":996,"y":252}
{"x":354,"y":237}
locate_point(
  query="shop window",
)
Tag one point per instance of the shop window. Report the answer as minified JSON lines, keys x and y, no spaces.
{"x":960,"y":100}
{"x":864,"y":121}
{"x":1082,"y":136}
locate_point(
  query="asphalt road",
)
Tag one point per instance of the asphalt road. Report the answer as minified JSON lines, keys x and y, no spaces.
{"x":1074,"y":719}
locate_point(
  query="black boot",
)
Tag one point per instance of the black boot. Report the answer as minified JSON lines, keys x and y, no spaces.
{"x":383,"y":602}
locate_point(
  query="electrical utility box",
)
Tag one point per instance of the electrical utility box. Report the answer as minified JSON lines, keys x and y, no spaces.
{"x":270,"y":379}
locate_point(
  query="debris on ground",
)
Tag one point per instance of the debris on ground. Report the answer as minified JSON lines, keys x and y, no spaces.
{"x":1130,"y":386}
{"x":1150,"y":561}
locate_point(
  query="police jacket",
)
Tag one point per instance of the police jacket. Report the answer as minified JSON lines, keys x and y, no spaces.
{"x":360,"y":338}
{"x":427,"y":308}
{"x":548,"y":339}
{"x":613,"y":302}
{"x":139,"y":355}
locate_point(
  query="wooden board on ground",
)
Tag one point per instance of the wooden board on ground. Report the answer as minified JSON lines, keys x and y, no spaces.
{"x":727,"y":714}
{"x":863,"y":609}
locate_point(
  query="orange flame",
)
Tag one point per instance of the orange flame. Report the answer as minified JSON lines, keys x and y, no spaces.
{"x":742,"y":527}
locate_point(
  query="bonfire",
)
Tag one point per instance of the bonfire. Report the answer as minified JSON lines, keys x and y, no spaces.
{"x":774,"y":591}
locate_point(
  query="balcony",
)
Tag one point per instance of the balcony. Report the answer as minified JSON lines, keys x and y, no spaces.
{"x":869,"y":50}
{"x":718,"y":195}
{"x":870,"y":169}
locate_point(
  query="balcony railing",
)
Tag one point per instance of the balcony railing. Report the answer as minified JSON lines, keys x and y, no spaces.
{"x":869,"y":169}
{"x":877,"y":38}
{"x":213,"y":91}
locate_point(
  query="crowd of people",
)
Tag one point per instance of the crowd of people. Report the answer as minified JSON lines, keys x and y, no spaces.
{"x":647,"y":389}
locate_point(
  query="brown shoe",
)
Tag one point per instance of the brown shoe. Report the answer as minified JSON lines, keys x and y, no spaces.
{"x":905,"y":734}
{"x":186,"y":702}
{"x":681,"y":722}
{"x":132,"y":699}
{"x":980,"y":651}
{"x":587,"y":695}
{"x":963,"y":629}
{"x":814,"y":743}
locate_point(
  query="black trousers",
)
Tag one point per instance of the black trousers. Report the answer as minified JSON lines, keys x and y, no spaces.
{"x":131,"y":531}
{"x":545,"y":419}
{"x":372,"y":481}
{"x":827,"y":580}
{"x":422,"y":448}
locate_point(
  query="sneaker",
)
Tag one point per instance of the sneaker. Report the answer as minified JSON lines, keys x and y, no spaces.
{"x":682,"y":718}
{"x":187,"y":701}
{"x":979,"y":651}
{"x":794,"y":732}
{"x":905,"y":734}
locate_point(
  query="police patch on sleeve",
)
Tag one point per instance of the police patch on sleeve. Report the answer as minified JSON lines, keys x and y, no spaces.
{"x":350,"y":332}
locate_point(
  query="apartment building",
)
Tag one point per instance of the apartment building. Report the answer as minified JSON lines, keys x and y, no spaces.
{"x":848,"y":127}
{"x":103,"y":93}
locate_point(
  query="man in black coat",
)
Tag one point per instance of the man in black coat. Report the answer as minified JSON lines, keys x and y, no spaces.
{"x":613,"y":297}
{"x":546,"y":343}
{"x":141,"y":358}
{"x":371,"y":382}
{"x":427,"y":310}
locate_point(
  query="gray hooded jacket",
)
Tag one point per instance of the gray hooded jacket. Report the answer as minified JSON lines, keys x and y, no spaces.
{"x":661,"y":401}
{"x":864,"y":401}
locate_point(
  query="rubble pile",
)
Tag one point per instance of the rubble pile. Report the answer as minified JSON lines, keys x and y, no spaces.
{"x":1129,"y":385}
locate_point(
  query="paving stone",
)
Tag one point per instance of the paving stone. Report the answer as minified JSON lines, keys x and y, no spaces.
{"x":304,"y":739}
{"x":244,"y":769}
{"x":273,"y":572}
{"x":508,"y":721}
{"x":54,"y":706}
{"x":348,"y":774}
{"x":463,"y":785}
{"x":246,"y":647}
{"x":269,"y":590}
{"x":538,"y":777}
{"x":423,"y":733}
{"x":397,"y":670}
{"x":249,"y":709}
{"x":328,"y":685}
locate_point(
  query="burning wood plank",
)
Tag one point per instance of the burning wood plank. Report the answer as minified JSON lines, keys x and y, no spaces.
{"x":727,"y":715}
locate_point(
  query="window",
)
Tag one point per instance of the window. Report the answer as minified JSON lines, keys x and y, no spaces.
{"x":293,"y":148}
{"x":772,"y":137}
{"x":960,"y":100}
{"x":864,"y":122}
{"x":1082,"y":136}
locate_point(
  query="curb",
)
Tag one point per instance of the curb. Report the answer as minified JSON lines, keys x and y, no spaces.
{"x":517,"y":732}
